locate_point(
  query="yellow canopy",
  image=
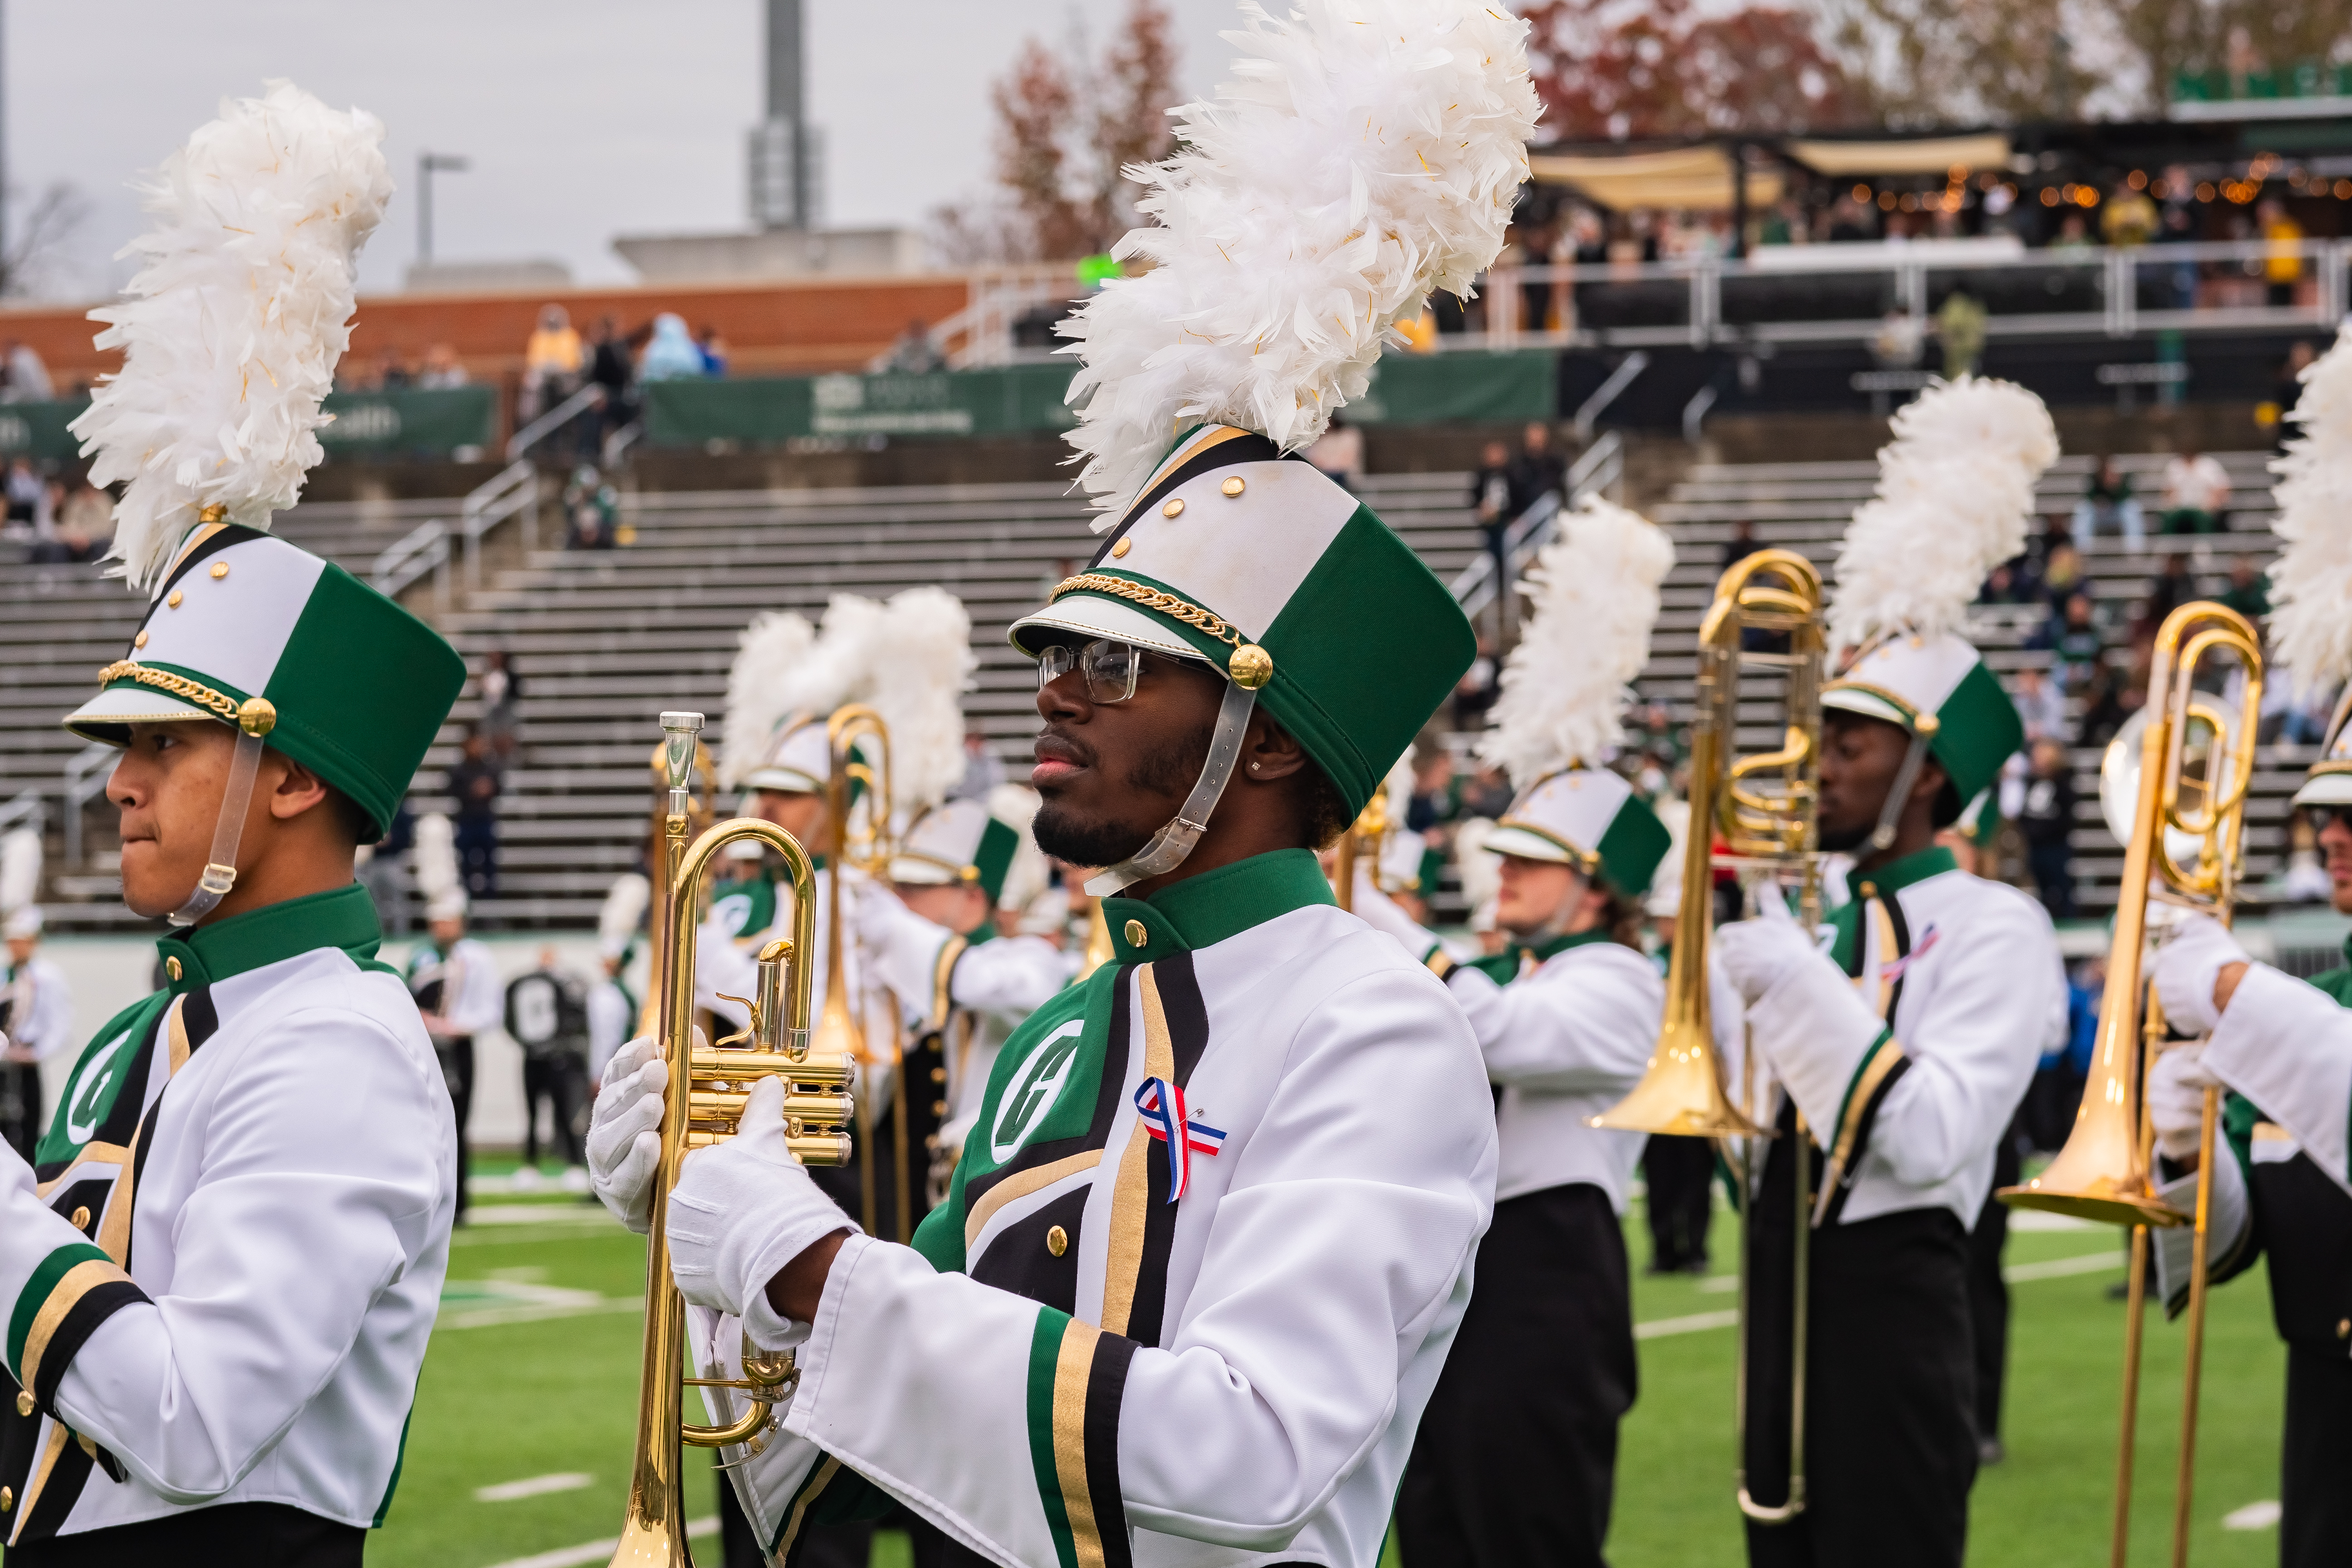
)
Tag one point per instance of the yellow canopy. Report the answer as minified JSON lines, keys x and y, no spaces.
{"x":1931,"y":156}
{"x":1695,"y":179}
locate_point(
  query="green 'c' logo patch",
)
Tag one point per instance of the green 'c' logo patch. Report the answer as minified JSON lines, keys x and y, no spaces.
{"x":1034,"y":1092}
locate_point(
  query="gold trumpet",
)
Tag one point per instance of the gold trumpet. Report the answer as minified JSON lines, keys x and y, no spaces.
{"x":1764,"y":804}
{"x":2173,"y":786}
{"x":708,"y":1086}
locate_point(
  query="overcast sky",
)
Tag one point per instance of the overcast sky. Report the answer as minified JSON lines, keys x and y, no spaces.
{"x":584,"y":119}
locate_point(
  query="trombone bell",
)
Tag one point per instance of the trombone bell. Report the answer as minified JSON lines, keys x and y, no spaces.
{"x":1681,"y":1095}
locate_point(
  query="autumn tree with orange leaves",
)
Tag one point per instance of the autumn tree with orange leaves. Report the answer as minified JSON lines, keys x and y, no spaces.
{"x":1620,"y":70}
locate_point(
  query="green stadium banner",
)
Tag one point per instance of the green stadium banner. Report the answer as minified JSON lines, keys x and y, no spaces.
{"x":409,"y":422}
{"x":37,"y":430}
{"x":1407,"y":389}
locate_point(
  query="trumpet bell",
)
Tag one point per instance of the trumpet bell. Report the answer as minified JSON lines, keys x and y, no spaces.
{"x":1680,"y":1095}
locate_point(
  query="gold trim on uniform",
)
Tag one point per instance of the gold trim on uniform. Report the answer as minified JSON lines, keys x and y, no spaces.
{"x":1020,"y":1184}
{"x":1073,"y":1372}
{"x":1131,"y":1198}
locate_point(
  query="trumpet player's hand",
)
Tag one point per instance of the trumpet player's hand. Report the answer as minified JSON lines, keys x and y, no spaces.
{"x":743,"y":1209}
{"x":2176,"y":1101}
{"x":2189,"y":973}
{"x":1756,"y":953}
{"x":625,"y":1132}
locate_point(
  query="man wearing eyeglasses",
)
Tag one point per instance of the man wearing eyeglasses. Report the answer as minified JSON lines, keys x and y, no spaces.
{"x":2282,"y":1048}
{"x":1211,"y":1233}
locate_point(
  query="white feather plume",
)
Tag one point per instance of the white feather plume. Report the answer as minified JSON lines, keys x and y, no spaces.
{"x":623,"y":912}
{"x":2311,"y":581}
{"x":1365,"y":152}
{"x":1480,"y":868}
{"x":235,"y":320}
{"x":1593,"y":597}
{"x":20,"y":869}
{"x":921,"y":664}
{"x":435,"y":859}
{"x":1955,"y":492}
{"x":771,"y":647}
{"x":1016,"y":806}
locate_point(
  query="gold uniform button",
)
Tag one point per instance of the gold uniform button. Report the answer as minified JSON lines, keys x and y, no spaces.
{"x":172,"y":968}
{"x":24,"y":1403}
{"x":1137,"y":933}
{"x":1119,"y":552}
{"x":7,"y":1499}
{"x":220,"y":570}
{"x":82,"y":1219}
{"x":174,"y":601}
{"x":938,"y":1075}
{"x":2344,"y":1329}
{"x":1175,"y":508}
{"x":939,"y":1108}
{"x":1232,"y":486}
{"x":1057,"y":1241}
{"x":1868,"y":889}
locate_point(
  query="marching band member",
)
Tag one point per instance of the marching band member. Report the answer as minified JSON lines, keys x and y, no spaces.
{"x":1213,"y":1231}
{"x":612,"y":1008}
{"x":225,"y":1260}
{"x":1516,"y":1459}
{"x":1907,"y":1042}
{"x":35,"y":1005}
{"x":453,"y":978}
{"x":2283,"y":1046}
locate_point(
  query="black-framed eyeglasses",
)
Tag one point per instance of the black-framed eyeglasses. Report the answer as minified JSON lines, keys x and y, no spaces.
{"x":2319,"y":817}
{"x":1109,"y":668}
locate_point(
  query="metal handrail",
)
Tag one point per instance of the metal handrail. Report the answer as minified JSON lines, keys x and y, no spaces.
{"x":1601,"y":466}
{"x":514,"y":489}
{"x":425,"y":548}
{"x":589,"y":396}
{"x":29,"y":807}
{"x":86,"y":774}
{"x":1607,"y":392}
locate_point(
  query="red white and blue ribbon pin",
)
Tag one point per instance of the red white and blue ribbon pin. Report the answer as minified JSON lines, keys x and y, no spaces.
{"x":1160,"y":1104}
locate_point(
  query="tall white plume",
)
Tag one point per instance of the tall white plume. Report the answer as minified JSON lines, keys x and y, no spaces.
{"x":235,"y":320}
{"x":20,"y":869}
{"x":1955,"y":489}
{"x":916,"y":682}
{"x":771,"y":647}
{"x":1364,"y":154}
{"x":1592,"y":597}
{"x":2311,"y":581}
{"x":1480,"y":868}
{"x":623,"y":912}
{"x":435,"y":860}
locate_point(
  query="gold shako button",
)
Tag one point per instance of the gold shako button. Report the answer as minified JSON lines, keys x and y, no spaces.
{"x":220,"y":570}
{"x":141,"y":640}
{"x":1057,"y":1241}
{"x":170,"y":968}
{"x":1232,"y":486}
{"x":172,"y":601}
{"x":1137,"y":933}
{"x":1119,"y":552}
{"x":1175,"y":507}
{"x":81,"y":1220}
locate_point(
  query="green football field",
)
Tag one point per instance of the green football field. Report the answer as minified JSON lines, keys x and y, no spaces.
{"x":519,"y":1450}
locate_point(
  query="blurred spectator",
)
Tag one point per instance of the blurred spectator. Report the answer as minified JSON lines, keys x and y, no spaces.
{"x":28,"y":503}
{"x":1339,"y":455}
{"x":2286,"y":391}
{"x":2074,"y":236}
{"x":2196,"y":493}
{"x":671,"y":355}
{"x":2047,"y":818}
{"x":612,"y":369}
{"x":394,"y":376}
{"x":2128,"y":217}
{"x":1900,"y":340}
{"x":592,"y":511}
{"x":2249,"y":592}
{"x":1479,"y":686}
{"x":1742,"y":544}
{"x":2062,"y":572}
{"x":28,"y":379}
{"x":547,"y":1016}
{"x":2108,"y":503}
{"x":982,"y":770}
{"x":473,"y":786}
{"x":442,"y":370}
{"x":1490,"y":499}
{"x":1435,"y":801}
{"x":2283,"y":268}
{"x":2040,"y":706}
{"x":551,"y":362}
{"x":2072,"y":637}
{"x":86,"y":522}
{"x":501,"y":690}
{"x":2179,"y":229}
{"x":913,"y":353}
{"x":2170,"y":589}
{"x":1487,"y":794}
{"x":1960,"y":328}
{"x":1540,"y":469}
{"x":713,"y":349}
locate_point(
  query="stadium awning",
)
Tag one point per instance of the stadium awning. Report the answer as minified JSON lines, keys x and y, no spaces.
{"x":1930,"y":155}
{"x":1695,"y":179}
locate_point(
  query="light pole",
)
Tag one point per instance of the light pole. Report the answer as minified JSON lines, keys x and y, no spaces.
{"x":427,"y":165}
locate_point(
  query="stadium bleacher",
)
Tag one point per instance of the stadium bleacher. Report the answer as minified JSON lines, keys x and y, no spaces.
{"x":604,"y":640}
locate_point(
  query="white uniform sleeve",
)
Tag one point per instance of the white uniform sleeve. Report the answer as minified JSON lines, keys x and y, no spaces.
{"x":50,"y":1028}
{"x":721,"y":966}
{"x":609,"y":1021}
{"x":1014,"y":975}
{"x":480,"y":1002}
{"x":328,"y":1175}
{"x":1584,"y":1023}
{"x":1338,"y":1251}
{"x":902,"y":951}
{"x":2287,"y":1046}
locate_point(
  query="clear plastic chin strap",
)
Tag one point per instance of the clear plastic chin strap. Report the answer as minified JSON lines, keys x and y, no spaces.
{"x":1168,"y":848}
{"x":220,"y":871}
{"x":1890,"y":815}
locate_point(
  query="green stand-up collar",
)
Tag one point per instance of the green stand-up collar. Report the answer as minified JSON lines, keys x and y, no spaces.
{"x":1202,"y":910}
{"x":1897,"y":874}
{"x":208,"y":954}
{"x":1519,"y":958}
{"x":985,"y":931}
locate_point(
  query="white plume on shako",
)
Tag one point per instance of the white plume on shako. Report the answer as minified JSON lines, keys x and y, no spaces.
{"x":233,"y":324}
{"x":1364,"y":153}
{"x":759,"y":684}
{"x":2311,"y":581}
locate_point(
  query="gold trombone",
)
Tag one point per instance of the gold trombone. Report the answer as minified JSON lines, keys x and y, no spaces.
{"x":1764,"y":805}
{"x":2183,"y":765}
{"x":707,"y":1086}
{"x":1361,"y":841}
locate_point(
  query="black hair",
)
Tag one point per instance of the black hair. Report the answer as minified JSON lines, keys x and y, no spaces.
{"x":1324,"y":810}
{"x":350,"y":816}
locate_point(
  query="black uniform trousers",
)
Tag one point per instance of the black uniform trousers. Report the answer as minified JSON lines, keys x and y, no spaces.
{"x":2315,"y":1497}
{"x":1987,"y":1291}
{"x":20,"y":1107}
{"x":456,"y":1054}
{"x":1680,"y":1175}
{"x":1890,"y":1386}
{"x":1516,"y":1461}
{"x":227,"y":1535}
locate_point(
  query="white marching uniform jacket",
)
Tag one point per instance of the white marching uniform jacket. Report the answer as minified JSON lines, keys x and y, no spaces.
{"x":223,"y":1274}
{"x":1909,"y":1042}
{"x":973,"y":992}
{"x":1070,"y":1370}
{"x":473,"y":997}
{"x":40,"y":1011}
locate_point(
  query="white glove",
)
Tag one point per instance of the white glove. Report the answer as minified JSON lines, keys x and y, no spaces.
{"x":625,"y":1132}
{"x":875,"y":916}
{"x":2175,"y":1099}
{"x":743,"y":1209}
{"x":1756,"y":953}
{"x":2186,"y":967}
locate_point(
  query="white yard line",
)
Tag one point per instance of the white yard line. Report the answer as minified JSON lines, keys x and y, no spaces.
{"x":595,"y":1551}
{"x":1697,"y":1322}
{"x":534,"y":1486}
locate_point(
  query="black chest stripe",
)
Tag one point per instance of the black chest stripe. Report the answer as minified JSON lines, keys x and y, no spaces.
{"x":1185,"y":1015}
